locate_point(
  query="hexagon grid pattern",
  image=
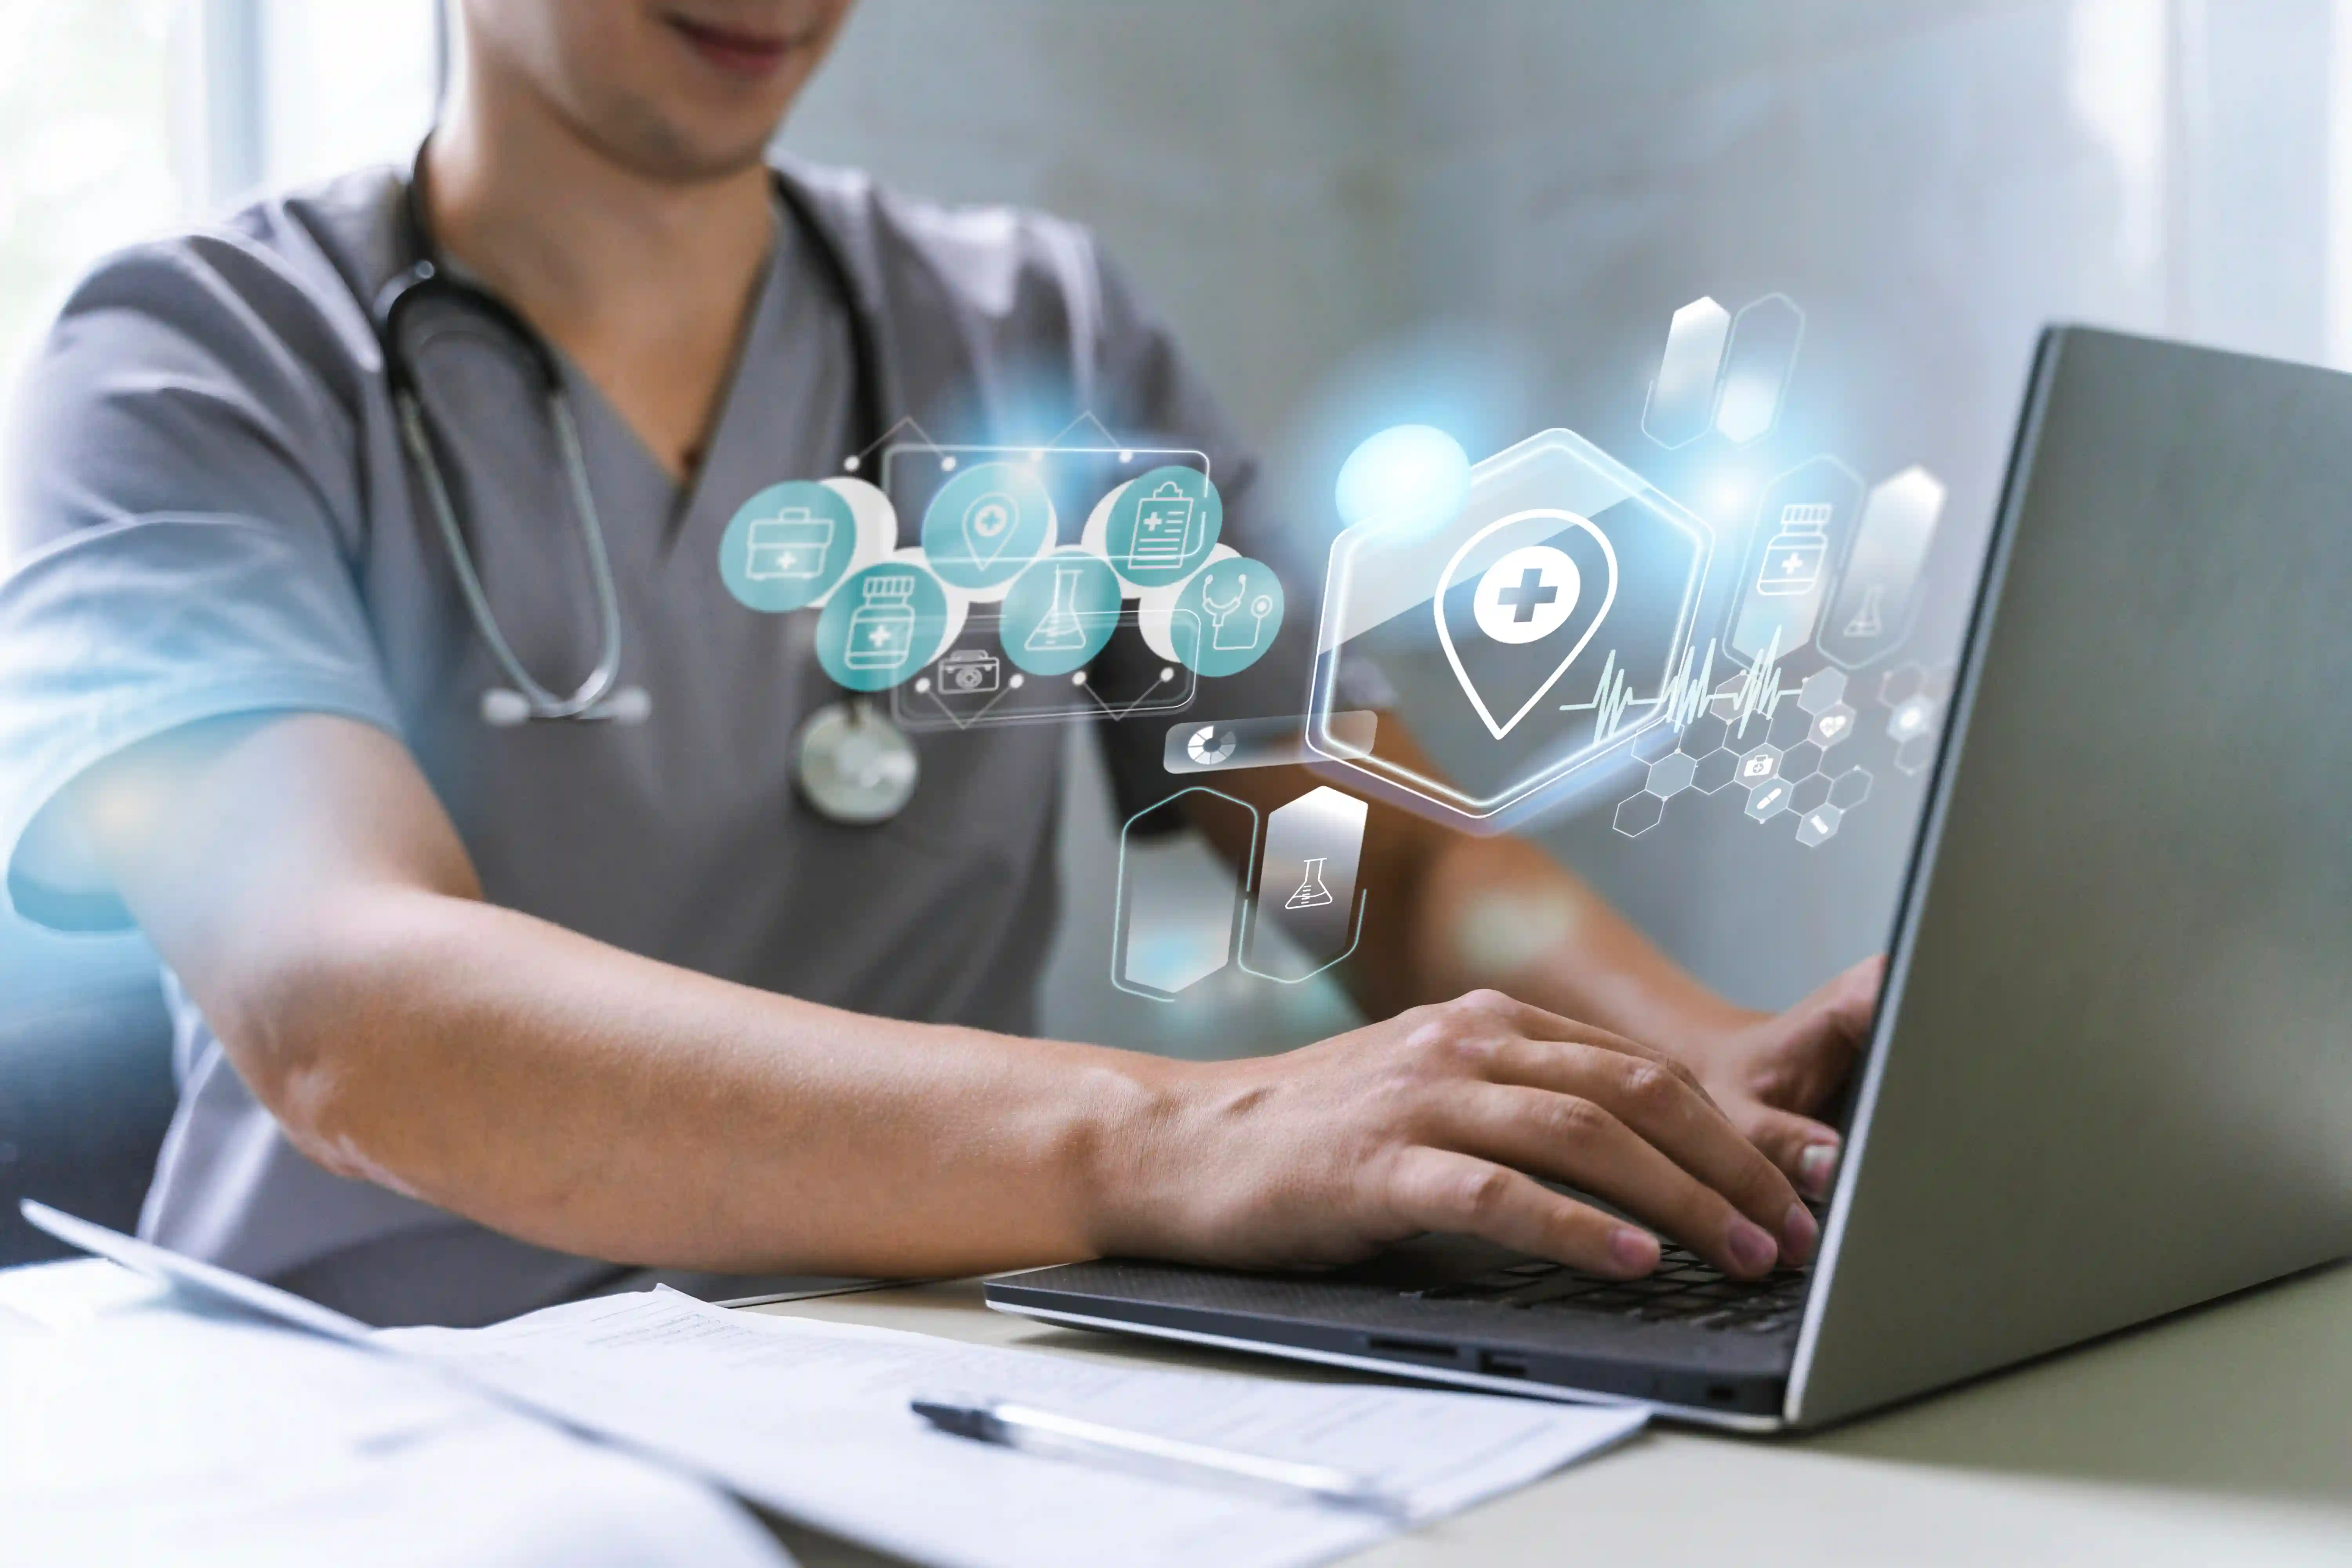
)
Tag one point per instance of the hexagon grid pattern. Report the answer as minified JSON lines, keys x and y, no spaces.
{"x":1790,"y":753}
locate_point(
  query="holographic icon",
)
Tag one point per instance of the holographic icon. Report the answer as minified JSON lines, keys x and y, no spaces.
{"x":1224,"y":618}
{"x":1308,"y":911}
{"x":1793,"y":559}
{"x":882,"y":628}
{"x":1618,"y":660}
{"x":1167,"y":528}
{"x":1232,"y":630}
{"x":987,"y":524}
{"x":1870,"y":613}
{"x":1757,"y":365}
{"x":969,"y":672}
{"x":1311,"y":893}
{"x":1527,"y":595}
{"x":1539,"y":582}
{"x":1162,"y":526}
{"x":1681,"y":400}
{"x":1060,"y":630}
{"x":1724,"y":372}
{"x":1231,"y":743}
{"x":1804,"y":524}
{"x":1209,"y":746}
{"x":1870,"y":620}
{"x":883,"y":623}
{"x":1060,"y":613}
{"x":790,"y":545}
{"x":787,"y":546}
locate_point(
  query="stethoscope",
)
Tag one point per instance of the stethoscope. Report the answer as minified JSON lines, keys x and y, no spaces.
{"x":852,"y":763}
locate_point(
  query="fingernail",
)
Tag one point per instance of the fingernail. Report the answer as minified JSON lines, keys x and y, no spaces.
{"x":1635,"y":1251}
{"x":1816,"y":1167}
{"x":1799,"y":1233}
{"x":1751,"y":1247}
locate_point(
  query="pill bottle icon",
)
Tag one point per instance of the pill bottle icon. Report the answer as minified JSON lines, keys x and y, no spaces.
{"x":882,"y":631}
{"x":1792,"y":560}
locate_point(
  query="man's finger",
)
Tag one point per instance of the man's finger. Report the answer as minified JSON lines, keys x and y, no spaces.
{"x":1849,"y":1000}
{"x":1579,"y":1142}
{"x":1664,"y":1106}
{"x":1441,"y":1190}
{"x":1805,"y":1151}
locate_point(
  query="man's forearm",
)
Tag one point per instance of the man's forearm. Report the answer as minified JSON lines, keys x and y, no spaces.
{"x":588,"y":1099}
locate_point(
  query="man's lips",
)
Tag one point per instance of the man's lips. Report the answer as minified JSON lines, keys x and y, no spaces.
{"x":737,"y":51}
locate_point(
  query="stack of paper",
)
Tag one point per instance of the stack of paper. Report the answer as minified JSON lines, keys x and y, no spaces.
{"x":225,"y":1441}
{"x":138,"y":1430}
{"x":811,"y":1419}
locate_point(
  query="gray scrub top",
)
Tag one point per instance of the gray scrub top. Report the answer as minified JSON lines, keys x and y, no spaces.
{"x":214,"y":516}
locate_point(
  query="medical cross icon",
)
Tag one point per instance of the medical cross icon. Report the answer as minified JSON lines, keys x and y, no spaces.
{"x":1527,"y":595}
{"x":1530,"y":593}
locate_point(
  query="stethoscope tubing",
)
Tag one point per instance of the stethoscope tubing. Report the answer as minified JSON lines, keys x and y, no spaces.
{"x":542,"y":702}
{"x":427,"y":278}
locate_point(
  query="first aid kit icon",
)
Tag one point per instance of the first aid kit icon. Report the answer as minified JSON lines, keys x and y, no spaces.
{"x":791,"y":546}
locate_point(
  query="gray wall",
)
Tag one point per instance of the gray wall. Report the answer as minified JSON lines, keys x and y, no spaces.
{"x":1483,"y":212}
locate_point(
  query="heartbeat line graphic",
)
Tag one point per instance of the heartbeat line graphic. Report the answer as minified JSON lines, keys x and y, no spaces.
{"x":1755,"y":693}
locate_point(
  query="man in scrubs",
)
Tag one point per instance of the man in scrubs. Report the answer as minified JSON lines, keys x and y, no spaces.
{"x":472,"y":1019}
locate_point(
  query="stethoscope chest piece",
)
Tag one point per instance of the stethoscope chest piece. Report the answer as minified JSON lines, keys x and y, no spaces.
{"x":853,"y":765}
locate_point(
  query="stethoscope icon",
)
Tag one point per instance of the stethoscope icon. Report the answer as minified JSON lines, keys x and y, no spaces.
{"x":1220,"y":615}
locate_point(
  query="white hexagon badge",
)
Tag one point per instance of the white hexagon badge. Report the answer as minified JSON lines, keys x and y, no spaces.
{"x":1552,"y":616}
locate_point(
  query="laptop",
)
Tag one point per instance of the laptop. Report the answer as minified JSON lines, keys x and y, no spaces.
{"x":2110,"y":1076}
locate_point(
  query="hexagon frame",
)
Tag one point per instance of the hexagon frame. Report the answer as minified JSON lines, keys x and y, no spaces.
{"x":1589,"y":481}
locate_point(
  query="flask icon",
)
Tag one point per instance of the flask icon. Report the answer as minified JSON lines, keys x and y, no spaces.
{"x":1792,"y":560}
{"x":1311,"y":893}
{"x":1060,"y":630}
{"x":882,"y":630}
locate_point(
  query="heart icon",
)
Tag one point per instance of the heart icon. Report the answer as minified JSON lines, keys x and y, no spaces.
{"x":1566,"y":521}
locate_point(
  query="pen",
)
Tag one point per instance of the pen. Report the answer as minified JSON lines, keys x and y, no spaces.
{"x":1043,"y":1432}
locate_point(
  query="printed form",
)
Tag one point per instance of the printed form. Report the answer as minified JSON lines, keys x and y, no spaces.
{"x":811,"y":1419}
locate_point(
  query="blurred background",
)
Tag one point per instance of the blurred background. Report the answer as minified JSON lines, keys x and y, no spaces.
{"x":1480,"y":213}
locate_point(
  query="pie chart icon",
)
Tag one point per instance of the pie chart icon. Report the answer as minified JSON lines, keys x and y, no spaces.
{"x":1208,"y":747}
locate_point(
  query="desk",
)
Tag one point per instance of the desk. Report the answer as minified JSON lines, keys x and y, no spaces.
{"x":2220,"y":1436}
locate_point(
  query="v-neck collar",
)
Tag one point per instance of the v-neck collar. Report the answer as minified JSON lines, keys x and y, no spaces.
{"x":686,"y":494}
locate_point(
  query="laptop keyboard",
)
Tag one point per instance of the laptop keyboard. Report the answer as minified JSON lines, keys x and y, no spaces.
{"x":1682,"y":1289}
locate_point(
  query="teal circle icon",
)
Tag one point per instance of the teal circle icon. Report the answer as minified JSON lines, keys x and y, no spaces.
{"x":1059,"y":613}
{"x":1163,"y":525}
{"x":988,"y":523}
{"x":1226,"y":618}
{"x":884,"y":625}
{"x":788,"y":545}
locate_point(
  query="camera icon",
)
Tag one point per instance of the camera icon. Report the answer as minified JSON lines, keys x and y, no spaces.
{"x":968,"y":672}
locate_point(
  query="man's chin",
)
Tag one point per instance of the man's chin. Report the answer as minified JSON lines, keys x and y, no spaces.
{"x":661,"y":149}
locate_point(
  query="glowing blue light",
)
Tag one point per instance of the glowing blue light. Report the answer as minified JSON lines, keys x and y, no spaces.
{"x":1410,"y":476}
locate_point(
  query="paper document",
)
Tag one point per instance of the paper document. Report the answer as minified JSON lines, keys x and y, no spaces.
{"x":811,"y":1419}
{"x":140,"y":1430}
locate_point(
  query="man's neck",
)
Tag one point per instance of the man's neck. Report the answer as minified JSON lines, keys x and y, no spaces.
{"x":644,"y":283}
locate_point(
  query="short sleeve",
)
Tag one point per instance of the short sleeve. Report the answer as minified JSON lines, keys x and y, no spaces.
{"x":1148,"y":392}
{"x":180,"y":494}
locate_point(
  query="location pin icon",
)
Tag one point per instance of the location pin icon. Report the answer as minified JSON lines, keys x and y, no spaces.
{"x":987,"y":527}
{"x":1518,"y":603}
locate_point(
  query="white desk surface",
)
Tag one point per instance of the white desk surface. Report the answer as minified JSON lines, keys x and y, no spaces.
{"x":2223,"y":1436}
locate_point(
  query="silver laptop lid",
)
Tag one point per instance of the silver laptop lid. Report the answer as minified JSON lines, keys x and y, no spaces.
{"x":2113,"y":1071}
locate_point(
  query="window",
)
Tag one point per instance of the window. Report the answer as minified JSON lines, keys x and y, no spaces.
{"x":90,"y":109}
{"x":119,"y":118}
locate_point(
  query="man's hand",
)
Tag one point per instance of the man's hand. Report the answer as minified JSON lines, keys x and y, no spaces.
{"x":1442,"y":1119}
{"x":1769,"y":1073}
